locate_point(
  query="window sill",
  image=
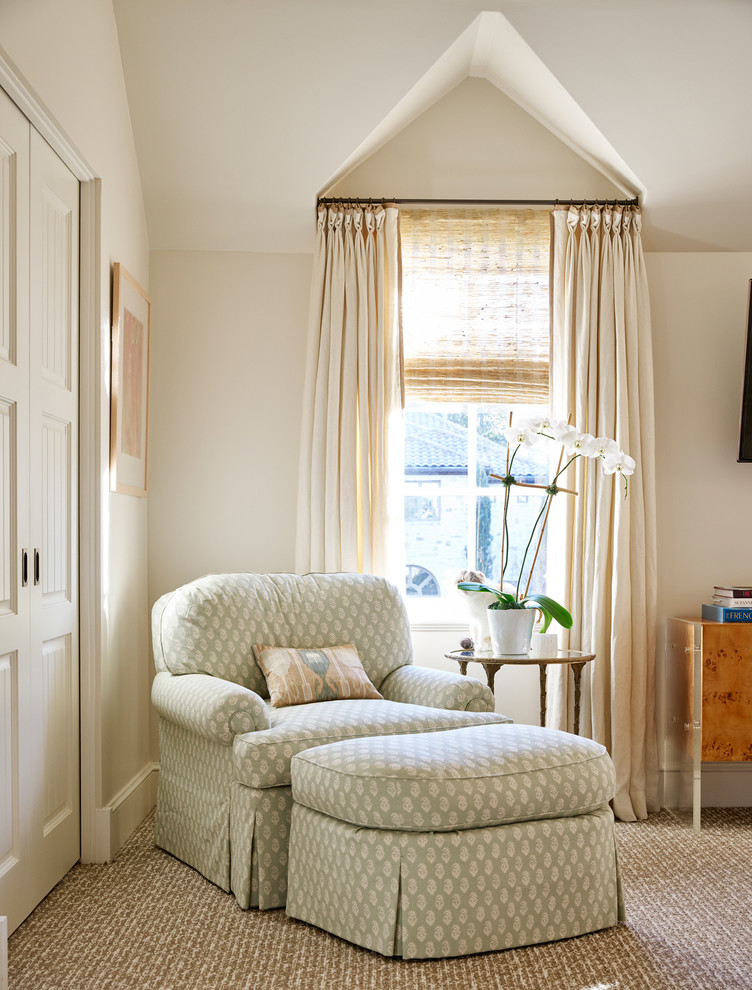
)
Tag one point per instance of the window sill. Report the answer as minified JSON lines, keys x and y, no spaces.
{"x":453,"y":627}
{"x":436,"y":614}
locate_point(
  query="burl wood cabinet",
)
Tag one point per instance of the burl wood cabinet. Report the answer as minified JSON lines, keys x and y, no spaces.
{"x":709,"y":704}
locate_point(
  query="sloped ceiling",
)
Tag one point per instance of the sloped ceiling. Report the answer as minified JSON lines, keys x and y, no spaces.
{"x":245,"y":110}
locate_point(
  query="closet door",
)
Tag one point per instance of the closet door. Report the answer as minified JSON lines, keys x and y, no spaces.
{"x":39,"y":754}
{"x":16,"y":787}
{"x":53,"y":503}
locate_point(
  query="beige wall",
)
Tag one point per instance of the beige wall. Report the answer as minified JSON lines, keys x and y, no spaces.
{"x":228,"y":357}
{"x":699,"y":309}
{"x":69,"y":55}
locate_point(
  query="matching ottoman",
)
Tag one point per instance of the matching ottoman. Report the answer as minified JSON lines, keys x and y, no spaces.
{"x":454,"y":842}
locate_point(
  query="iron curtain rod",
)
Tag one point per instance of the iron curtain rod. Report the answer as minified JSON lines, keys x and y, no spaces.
{"x":340,"y":200}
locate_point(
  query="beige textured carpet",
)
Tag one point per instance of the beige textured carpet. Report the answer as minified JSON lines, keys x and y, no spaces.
{"x":147,"y":921}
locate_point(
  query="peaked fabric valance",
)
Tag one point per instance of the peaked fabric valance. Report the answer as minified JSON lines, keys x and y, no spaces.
{"x":475,"y":304}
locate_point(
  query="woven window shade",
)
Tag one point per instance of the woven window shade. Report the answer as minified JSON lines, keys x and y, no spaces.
{"x":475,"y":304}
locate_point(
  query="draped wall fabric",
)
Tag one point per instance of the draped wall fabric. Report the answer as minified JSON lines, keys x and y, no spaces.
{"x":602,"y":375}
{"x":351,"y":442}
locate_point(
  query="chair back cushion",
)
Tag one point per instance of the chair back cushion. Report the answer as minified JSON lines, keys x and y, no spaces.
{"x":211,"y":625}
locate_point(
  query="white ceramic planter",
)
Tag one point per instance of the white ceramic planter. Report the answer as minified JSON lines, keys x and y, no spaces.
{"x":511,"y":629}
{"x":544,"y":644}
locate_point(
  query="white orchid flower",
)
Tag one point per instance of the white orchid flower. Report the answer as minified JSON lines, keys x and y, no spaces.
{"x":556,"y":428}
{"x":604,"y":447}
{"x":524,"y":433}
{"x":620,"y":463}
{"x":575,"y":442}
{"x":520,"y":433}
{"x":534,"y":423}
{"x":546,"y":426}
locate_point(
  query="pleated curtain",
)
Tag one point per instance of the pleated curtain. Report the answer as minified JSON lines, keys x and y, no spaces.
{"x":606,"y":558}
{"x":351,"y":447}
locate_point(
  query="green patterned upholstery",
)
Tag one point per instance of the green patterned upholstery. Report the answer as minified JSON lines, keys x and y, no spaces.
{"x":451,"y":779}
{"x":467,"y":840}
{"x":437,"y":688}
{"x":224,"y":802}
{"x":214,"y":708}
{"x":193,"y":801}
{"x":262,"y":759}
{"x":424,"y":895}
{"x":211,"y":625}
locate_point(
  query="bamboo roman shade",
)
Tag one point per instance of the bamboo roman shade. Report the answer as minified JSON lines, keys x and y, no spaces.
{"x":475,"y":304}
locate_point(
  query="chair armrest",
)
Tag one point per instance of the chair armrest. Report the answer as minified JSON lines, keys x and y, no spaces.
{"x":415,"y":685}
{"x":210,"y":706}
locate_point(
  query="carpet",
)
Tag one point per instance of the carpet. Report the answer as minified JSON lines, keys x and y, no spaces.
{"x":147,"y":921}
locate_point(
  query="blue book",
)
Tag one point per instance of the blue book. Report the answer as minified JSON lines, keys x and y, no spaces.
{"x":724,"y":613}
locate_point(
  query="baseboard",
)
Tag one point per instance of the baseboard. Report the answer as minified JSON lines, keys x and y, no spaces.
{"x":3,"y":953}
{"x":722,"y":785}
{"x":116,"y":822}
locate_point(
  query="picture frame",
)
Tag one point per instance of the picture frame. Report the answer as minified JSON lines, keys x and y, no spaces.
{"x":745,"y":422}
{"x":129,"y":393}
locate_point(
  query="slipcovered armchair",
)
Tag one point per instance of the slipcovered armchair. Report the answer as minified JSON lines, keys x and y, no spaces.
{"x":224,"y":799}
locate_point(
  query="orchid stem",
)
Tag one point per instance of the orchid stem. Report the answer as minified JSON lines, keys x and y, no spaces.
{"x":546,"y":503}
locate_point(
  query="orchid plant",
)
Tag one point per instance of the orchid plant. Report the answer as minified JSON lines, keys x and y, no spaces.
{"x":574,"y":444}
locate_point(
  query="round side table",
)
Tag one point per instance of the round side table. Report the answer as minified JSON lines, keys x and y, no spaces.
{"x":491,"y":664}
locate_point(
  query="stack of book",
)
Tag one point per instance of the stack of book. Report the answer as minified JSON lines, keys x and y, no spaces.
{"x":730,"y":604}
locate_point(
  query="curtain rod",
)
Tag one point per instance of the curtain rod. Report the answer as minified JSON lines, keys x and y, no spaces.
{"x":339,"y":200}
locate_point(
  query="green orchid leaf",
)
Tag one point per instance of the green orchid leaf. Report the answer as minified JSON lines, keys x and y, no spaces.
{"x":504,"y":599}
{"x":552,"y":608}
{"x":475,"y":586}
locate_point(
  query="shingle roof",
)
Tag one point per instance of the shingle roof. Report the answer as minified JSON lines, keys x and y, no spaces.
{"x":435,"y":445}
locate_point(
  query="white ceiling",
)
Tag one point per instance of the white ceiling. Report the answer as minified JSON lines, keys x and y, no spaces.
{"x":245,"y":110}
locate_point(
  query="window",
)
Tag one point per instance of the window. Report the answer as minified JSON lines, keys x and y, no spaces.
{"x":475,"y":321}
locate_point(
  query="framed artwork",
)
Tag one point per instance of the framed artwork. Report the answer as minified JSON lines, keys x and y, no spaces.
{"x":129,"y":395}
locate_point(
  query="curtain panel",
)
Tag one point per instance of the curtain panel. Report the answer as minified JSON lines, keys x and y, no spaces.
{"x":351,"y":439}
{"x":602,"y":376}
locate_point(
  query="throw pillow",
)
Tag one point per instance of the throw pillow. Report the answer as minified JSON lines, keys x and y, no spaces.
{"x":298,"y":676}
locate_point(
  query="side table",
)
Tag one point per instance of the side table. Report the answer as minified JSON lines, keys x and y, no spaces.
{"x":491,"y":664}
{"x":708,"y":706}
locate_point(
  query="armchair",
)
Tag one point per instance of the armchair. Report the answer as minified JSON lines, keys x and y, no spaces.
{"x":224,"y":800}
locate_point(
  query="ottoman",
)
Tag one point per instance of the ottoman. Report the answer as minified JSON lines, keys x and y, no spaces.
{"x":453,"y":842}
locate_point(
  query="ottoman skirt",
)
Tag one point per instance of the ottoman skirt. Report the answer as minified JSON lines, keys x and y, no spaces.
{"x":423,"y":895}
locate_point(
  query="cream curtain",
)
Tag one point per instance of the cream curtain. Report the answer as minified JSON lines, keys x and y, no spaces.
{"x":602,"y":375}
{"x":351,"y":444}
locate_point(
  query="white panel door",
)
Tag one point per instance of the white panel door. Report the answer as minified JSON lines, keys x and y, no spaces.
{"x":39,"y":759}
{"x":16,"y":709}
{"x":53,"y":472}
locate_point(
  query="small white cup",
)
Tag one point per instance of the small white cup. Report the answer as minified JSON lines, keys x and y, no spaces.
{"x":544,"y":644}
